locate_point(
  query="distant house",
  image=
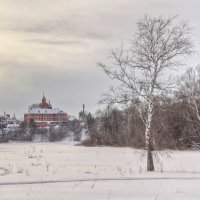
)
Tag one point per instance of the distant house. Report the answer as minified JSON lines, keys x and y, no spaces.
{"x":8,"y":123}
{"x":43,"y":114}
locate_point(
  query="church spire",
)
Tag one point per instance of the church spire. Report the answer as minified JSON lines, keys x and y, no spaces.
{"x":43,"y":98}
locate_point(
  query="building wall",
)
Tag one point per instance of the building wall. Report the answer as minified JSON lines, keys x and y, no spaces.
{"x":44,"y":117}
{"x":47,"y":117}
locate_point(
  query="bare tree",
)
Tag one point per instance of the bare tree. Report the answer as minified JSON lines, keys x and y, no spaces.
{"x":142,"y":69}
{"x":189,"y":93}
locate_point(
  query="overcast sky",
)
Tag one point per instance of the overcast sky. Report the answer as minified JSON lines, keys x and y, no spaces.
{"x":54,"y":45}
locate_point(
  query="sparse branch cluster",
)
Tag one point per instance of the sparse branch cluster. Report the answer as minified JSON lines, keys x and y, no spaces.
{"x":189,"y":94}
{"x":158,"y":45}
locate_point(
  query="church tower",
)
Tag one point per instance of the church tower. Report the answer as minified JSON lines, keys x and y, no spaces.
{"x":44,"y":103}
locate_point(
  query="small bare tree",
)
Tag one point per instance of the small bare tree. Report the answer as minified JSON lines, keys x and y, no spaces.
{"x":142,"y":69}
{"x":189,"y":93}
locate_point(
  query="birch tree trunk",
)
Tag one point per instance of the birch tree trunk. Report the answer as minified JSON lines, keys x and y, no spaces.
{"x":148,"y":138}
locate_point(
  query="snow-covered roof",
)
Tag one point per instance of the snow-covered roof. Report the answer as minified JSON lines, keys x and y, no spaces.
{"x":45,"y":111}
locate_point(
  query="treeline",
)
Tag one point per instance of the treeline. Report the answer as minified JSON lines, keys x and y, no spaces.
{"x":28,"y":131}
{"x":175,"y":123}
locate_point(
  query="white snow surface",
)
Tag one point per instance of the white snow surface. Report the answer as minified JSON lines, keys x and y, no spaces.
{"x":63,"y":161}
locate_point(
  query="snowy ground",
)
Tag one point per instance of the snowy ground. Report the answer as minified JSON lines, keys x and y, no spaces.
{"x":63,"y":162}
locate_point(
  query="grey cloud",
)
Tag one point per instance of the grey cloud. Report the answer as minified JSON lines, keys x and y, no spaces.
{"x":54,"y":26}
{"x":55,"y":42}
{"x":64,"y":27}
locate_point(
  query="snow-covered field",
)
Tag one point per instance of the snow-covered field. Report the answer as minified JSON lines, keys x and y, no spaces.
{"x":39,"y":162}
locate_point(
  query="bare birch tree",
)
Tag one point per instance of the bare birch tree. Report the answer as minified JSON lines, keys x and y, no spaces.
{"x":142,"y":69}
